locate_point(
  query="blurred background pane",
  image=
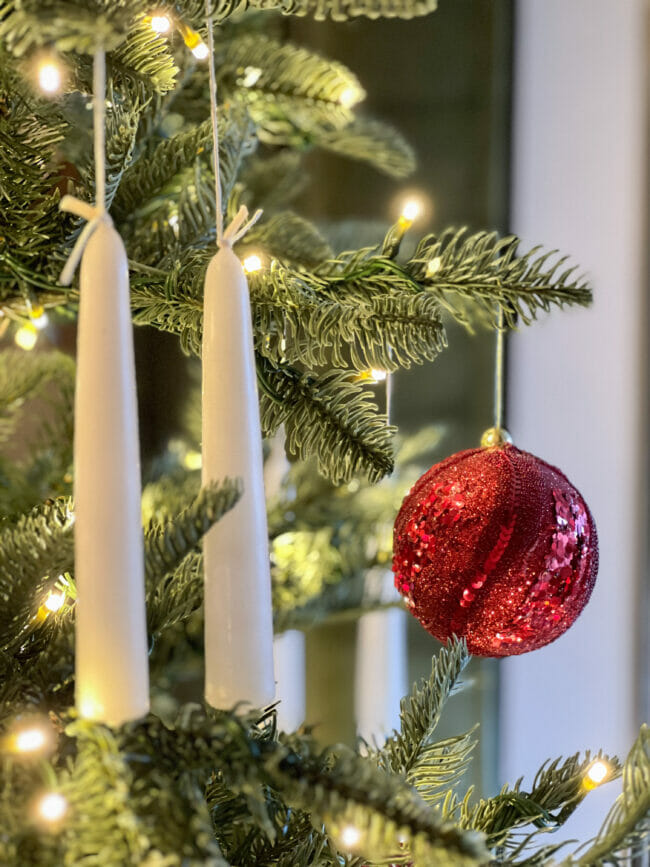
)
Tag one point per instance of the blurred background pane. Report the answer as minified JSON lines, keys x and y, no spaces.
{"x":445,"y":82}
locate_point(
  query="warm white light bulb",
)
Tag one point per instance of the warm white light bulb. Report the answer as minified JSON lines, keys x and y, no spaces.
{"x":378,"y":375}
{"x":251,"y":76}
{"x":193,"y":460}
{"x":173,"y":221}
{"x":90,"y":708}
{"x":200,"y":51}
{"x":252,"y":263}
{"x":349,"y":97}
{"x":26,"y":336}
{"x":52,"y":807}
{"x":30,"y":740}
{"x":40,"y":322}
{"x":350,"y":836}
{"x":49,"y":76}
{"x":433,"y":266}
{"x":597,"y":772}
{"x":54,"y":601}
{"x":160,"y":24}
{"x":411,"y":210}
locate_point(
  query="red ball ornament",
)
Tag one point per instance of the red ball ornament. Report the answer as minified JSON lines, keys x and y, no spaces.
{"x":496,"y":546}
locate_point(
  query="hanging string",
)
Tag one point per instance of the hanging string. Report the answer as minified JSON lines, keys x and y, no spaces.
{"x":389,"y":396}
{"x":240,"y":224}
{"x":215,"y":127}
{"x":97,"y":213}
{"x":99,"y":129}
{"x":499,"y":372}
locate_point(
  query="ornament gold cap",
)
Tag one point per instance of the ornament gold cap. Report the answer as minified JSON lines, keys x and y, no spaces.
{"x":495,"y":437}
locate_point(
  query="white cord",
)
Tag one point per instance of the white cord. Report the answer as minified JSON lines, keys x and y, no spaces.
{"x":99,"y":128}
{"x":215,"y":127}
{"x":95,"y":214}
{"x":239,"y":226}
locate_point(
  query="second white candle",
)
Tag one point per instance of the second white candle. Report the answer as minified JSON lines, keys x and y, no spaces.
{"x":238,"y":614}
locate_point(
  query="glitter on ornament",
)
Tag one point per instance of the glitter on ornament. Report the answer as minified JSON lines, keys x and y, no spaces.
{"x":498,"y":547}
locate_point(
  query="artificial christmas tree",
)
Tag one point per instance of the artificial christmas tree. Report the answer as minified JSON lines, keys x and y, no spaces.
{"x":190,"y":784}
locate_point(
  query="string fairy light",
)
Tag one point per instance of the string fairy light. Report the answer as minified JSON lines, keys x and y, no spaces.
{"x":39,"y":322}
{"x":200,"y":51}
{"x":26,"y":336}
{"x":372,"y":376}
{"x":433,"y":266}
{"x":38,"y":317}
{"x":193,"y":41}
{"x":192,"y":460}
{"x":349,"y":97}
{"x":251,"y":76}
{"x":54,"y":601}
{"x":252,"y":263}
{"x":350,"y":836}
{"x":412,"y":207}
{"x":596,"y":773}
{"x":30,"y":740}
{"x":51,"y":807}
{"x":31,"y":737}
{"x":411,"y":210}
{"x":49,"y":75}
{"x":160,"y":23}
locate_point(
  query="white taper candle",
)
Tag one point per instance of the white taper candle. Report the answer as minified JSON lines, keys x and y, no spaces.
{"x":381,"y":676}
{"x":238,"y":615}
{"x":289,"y":650}
{"x":112,"y":678}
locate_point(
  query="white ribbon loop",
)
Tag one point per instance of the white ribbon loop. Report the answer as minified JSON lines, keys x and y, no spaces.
{"x":239,"y":226}
{"x":95,"y":215}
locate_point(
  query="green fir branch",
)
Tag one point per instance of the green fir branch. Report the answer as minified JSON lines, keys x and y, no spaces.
{"x":333,"y":789}
{"x":167,"y":544}
{"x":24,"y":377}
{"x":146,"y":58}
{"x":273,"y":180}
{"x":291,"y":238}
{"x":111,"y":820}
{"x":411,"y":751}
{"x":558,"y":789}
{"x":290,"y":93}
{"x":330,"y":417}
{"x":625,"y":834}
{"x":345,"y":10}
{"x":148,"y":178}
{"x":34,"y":551}
{"x":441,"y":766}
{"x":385,"y":331}
{"x":472,"y":274}
{"x":370,"y":141}
{"x":65,"y":25}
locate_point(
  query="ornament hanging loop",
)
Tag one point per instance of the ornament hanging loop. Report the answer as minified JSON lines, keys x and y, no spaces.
{"x":497,"y":435}
{"x":238,"y":227}
{"x":97,"y":213}
{"x":240,"y":223}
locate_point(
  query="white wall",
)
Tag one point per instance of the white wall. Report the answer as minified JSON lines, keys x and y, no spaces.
{"x":577,"y":395}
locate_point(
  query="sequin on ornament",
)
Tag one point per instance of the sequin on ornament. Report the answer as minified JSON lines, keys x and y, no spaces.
{"x":497,"y":546}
